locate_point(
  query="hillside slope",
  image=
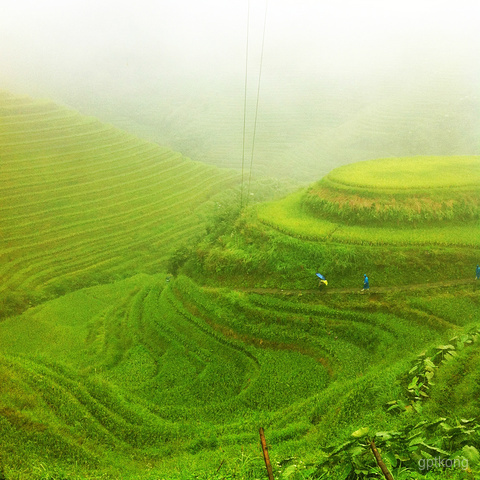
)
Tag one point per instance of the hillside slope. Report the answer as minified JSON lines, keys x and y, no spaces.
{"x":83,"y":202}
{"x":121,"y":371}
{"x":386,"y":217}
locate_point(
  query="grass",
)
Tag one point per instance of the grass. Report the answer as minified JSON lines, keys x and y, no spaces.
{"x":409,"y":173}
{"x":289,"y":217}
{"x":259,"y":254}
{"x":147,"y":372}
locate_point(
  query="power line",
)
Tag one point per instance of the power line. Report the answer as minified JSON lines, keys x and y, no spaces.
{"x":258,"y":97}
{"x":245,"y":103}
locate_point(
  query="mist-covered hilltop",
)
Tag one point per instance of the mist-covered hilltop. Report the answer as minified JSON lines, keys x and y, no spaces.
{"x":337,"y":82}
{"x":304,"y":127}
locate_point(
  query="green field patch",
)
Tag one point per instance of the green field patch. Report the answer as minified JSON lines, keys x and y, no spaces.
{"x":456,"y":387}
{"x":172,"y":368}
{"x":63,"y":327}
{"x":410,"y":173}
{"x":260,"y":251}
{"x":414,"y":191}
{"x":289,"y":217}
{"x":460,"y":308}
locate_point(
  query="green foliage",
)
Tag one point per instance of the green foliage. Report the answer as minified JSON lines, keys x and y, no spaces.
{"x":252,"y":254}
{"x":421,"y":376}
{"x":231,"y":360}
{"x":431,"y":445}
{"x":426,"y":446}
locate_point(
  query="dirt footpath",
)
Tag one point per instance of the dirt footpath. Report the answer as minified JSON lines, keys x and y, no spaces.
{"x":332,"y":290}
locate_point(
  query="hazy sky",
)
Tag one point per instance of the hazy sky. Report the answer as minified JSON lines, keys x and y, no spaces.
{"x":122,"y":45}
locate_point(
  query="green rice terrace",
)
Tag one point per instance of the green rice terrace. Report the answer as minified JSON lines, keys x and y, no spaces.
{"x":150,"y":327}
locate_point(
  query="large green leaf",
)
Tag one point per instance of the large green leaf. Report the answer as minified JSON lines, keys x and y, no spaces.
{"x":428,"y":363}
{"x":383,"y":435}
{"x":357,"y":450}
{"x":433,"y":449}
{"x":471,"y":454}
{"x":413,"y":383}
{"x":413,"y":369}
{"x":340,"y":448}
{"x":468,"y":420}
{"x":392,"y":459}
{"x":362,"y":432}
{"x":416,"y":441}
{"x":289,"y":471}
{"x":445,"y":347}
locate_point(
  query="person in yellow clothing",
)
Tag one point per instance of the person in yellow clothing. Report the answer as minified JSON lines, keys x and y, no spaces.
{"x":323,"y":281}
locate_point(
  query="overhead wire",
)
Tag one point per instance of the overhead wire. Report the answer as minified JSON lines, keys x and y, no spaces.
{"x":245,"y":104}
{"x":256,"y":106}
{"x":257,"y":102}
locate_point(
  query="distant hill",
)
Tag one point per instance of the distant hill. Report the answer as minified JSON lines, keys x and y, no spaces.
{"x":83,"y":202}
{"x":305,"y":128}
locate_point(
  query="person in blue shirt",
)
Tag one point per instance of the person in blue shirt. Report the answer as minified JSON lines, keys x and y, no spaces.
{"x":366,"y":285}
{"x":477,"y":273}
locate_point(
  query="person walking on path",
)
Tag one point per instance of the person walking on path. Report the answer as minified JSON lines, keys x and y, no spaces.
{"x":323,"y":281}
{"x":366,"y":284}
{"x":477,"y":273}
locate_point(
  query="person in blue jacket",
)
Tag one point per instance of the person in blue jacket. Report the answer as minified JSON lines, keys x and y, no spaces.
{"x":366,"y":285}
{"x":477,"y":273}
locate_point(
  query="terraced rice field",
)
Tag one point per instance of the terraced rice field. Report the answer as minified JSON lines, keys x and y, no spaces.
{"x":405,"y":201}
{"x":146,"y":377}
{"x":83,"y":202}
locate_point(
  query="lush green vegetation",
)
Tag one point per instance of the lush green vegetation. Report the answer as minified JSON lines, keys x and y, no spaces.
{"x":146,"y":336}
{"x":289,"y":216}
{"x":258,"y":252}
{"x":147,"y":377}
{"x":423,"y":173}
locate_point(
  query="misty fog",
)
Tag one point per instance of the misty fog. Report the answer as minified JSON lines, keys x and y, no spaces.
{"x":340,"y":82}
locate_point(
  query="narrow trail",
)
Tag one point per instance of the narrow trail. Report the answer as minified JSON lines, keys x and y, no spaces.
{"x":357,"y":291}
